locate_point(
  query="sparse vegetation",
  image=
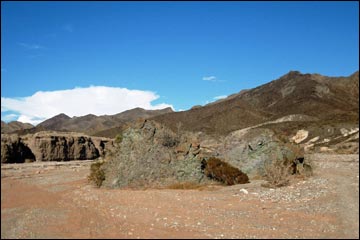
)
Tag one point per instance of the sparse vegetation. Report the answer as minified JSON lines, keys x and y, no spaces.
{"x":97,"y":175}
{"x":118,"y":138}
{"x":169,"y":140}
{"x":279,"y":170}
{"x":221,"y":171}
{"x":277,"y":173}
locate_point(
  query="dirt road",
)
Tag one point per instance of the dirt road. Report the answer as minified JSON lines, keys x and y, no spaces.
{"x":54,"y":200}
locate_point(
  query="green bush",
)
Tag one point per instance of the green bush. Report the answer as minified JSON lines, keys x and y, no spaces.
{"x":97,"y":175}
{"x":118,"y":138}
{"x":216,"y":169}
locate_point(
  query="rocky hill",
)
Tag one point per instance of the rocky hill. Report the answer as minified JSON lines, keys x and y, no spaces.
{"x":106,"y":125}
{"x":332,"y":99}
{"x":323,"y":99}
{"x":14,"y":126}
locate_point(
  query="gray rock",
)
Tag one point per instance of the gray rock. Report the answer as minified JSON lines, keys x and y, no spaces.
{"x":146,"y":160}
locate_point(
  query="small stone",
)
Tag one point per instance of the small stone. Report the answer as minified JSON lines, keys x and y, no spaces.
{"x":244,"y":191}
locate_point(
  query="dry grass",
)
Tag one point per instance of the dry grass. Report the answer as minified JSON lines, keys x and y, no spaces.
{"x":97,"y":175}
{"x":277,"y":173}
{"x":280,"y":170}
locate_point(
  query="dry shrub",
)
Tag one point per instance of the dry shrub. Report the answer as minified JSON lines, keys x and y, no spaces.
{"x":169,"y":140}
{"x":97,"y":175}
{"x":279,"y":170}
{"x":295,"y":148}
{"x":303,"y":169}
{"x":301,"y":166}
{"x":277,"y":173}
{"x":223,"y":172}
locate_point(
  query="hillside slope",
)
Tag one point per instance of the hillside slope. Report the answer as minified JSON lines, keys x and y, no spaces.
{"x":90,"y":124}
{"x":325,"y":98}
{"x":14,"y":126}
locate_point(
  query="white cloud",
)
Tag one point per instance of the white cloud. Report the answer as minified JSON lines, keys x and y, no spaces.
{"x":31,"y":46}
{"x":220,"y":97}
{"x":210,"y":78}
{"x":98,"y":100}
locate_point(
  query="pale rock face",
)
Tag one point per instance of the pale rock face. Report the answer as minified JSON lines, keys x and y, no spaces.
{"x":60,"y":148}
{"x":287,"y":90}
{"x":322,"y":90}
{"x":313,"y":140}
{"x":300,"y":136}
{"x":345,"y":132}
{"x":51,"y":146}
{"x":325,"y":149}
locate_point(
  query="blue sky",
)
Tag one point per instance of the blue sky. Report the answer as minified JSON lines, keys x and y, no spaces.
{"x":66,"y":56}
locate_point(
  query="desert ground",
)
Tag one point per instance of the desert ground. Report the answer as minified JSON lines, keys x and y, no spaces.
{"x":55,"y":200}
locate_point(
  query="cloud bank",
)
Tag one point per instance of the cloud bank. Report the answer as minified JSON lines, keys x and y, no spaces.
{"x":220,"y":97}
{"x":98,"y":100}
{"x":210,"y":78}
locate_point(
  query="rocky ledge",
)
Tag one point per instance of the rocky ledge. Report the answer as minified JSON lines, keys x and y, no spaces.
{"x":52,"y":146}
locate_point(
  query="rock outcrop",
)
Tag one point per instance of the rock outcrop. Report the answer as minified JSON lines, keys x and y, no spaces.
{"x":153,"y":155}
{"x":52,"y":146}
{"x":250,"y":150}
{"x":13,"y":150}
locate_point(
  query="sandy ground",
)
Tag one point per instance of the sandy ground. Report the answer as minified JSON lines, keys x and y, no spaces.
{"x":54,"y":200}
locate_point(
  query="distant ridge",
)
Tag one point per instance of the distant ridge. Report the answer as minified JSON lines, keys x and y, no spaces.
{"x":331,"y":99}
{"x":92,"y":125}
{"x":322,"y":97}
{"x":14,"y":126}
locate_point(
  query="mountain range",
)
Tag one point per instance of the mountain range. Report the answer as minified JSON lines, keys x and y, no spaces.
{"x":321,"y":99}
{"x":334,"y":99}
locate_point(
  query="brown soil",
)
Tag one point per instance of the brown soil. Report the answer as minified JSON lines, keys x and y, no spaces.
{"x":54,"y":200}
